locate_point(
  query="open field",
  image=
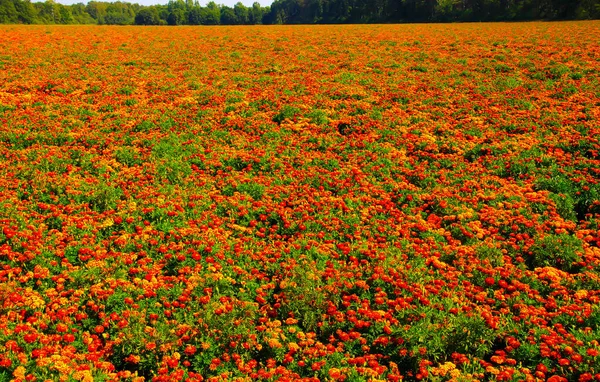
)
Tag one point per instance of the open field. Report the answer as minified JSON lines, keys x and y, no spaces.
{"x":359,"y":203}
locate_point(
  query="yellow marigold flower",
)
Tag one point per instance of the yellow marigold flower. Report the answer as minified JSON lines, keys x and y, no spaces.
{"x":274,"y":343}
{"x":19,"y":372}
{"x":84,"y":376}
{"x":107,"y":223}
{"x":582,"y":293}
{"x":126,"y":374}
{"x":454,"y":373}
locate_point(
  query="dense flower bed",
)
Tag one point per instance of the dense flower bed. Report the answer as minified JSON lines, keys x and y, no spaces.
{"x":358,"y":203}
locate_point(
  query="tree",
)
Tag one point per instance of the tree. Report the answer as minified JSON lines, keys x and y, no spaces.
{"x":118,"y":14}
{"x":147,"y":16}
{"x":277,"y":14}
{"x":228,"y":16}
{"x":211,"y":14}
{"x":256,"y":14}
{"x":177,"y":12}
{"x":8,"y":12}
{"x":163,"y":13}
{"x":46,"y":12}
{"x":97,"y":10}
{"x":26,"y":11}
{"x":241,"y":13}
{"x":314,"y":12}
{"x":176,"y":17}
{"x":176,"y":4}
{"x":64,"y":14}
{"x":195,"y":16}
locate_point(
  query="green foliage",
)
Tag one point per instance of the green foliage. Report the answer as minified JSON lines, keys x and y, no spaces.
{"x":105,"y":197}
{"x":287,"y":112}
{"x":8,"y":12}
{"x":255,"y":190}
{"x":127,"y":156}
{"x":559,"y":251}
{"x":565,"y":206}
{"x":292,"y":12}
{"x":147,"y":16}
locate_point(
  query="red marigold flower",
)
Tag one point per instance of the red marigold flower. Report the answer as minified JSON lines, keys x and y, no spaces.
{"x":564,"y":362}
{"x":334,"y":373}
{"x":542,"y":368}
{"x":30,"y":337}
{"x":556,"y":378}
{"x":68,"y":338}
{"x":190,"y":350}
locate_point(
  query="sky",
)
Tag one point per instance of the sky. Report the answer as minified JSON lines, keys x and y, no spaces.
{"x":230,"y":3}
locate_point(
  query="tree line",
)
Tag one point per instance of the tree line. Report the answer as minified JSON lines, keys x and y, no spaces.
{"x":176,"y":12}
{"x":189,"y":12}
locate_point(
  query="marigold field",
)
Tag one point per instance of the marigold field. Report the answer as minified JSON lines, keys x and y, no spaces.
{"x":334,"y":203}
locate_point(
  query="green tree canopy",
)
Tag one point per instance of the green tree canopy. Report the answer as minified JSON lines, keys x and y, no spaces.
{"x":147,"y":16}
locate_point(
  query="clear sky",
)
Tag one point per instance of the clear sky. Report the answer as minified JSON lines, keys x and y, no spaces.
{"x":230,"y":3}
